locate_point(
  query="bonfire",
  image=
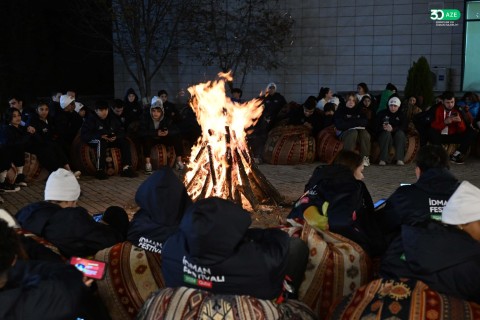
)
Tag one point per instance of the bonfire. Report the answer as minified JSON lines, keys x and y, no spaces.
{"x":221,"y":164}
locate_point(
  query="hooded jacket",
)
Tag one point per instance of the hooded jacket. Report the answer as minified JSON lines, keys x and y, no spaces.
{"x":215,"y":250}
{"x":350,"y":210}
{"x":94,"y":127}
{"x":42,"y":290}
{"x":163,"y":200}
{"x":418,"y":202}
{"x":445,"y":258}
{"x":346,"y":118}
{"x":134,"y":108}
{"x":147,"y":125}
{"x":72,"y":230}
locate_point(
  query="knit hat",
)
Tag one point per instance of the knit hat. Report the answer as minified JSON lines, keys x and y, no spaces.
{"x":62,"y":186}
{"x":463,"y":206}
{"x":156,"y":103}
{"x":78,"y":106}
{"x":395,"y":101}
{"x":65,"y":100}
{"x":272,"y":84}
{"x":335,"y":100}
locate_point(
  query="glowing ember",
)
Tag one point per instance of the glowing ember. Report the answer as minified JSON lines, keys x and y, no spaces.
{"x":221,"y":164}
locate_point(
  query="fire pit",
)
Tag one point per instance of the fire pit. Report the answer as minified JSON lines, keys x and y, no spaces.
{"x":221,"y":164}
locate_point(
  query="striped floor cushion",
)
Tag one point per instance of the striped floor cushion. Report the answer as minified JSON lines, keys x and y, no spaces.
{"x":132,"y":275}
{"x":328,"y":146}
{"x":336,"y":267}
{"x":411,"y":149}
{"x":402,"y":299}
{"x":288,"y":145}
{"x":83,"y":158}
{"x":192,"y":304}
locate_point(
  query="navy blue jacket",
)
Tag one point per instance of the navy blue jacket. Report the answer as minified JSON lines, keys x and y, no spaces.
{"x":418,"y":202}
{"x":72,"y":230}
{"x":93,"y":127}
{"x":215,"y":250}
{"x":346,"y":118}
{"x":445,"y":258}
{"x":162,"y":199}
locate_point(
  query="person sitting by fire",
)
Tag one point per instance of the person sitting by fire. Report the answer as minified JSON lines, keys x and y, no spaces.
{"x":162,"y":199}
{"x":157,"y":128}
{"x":214,"y":249}
{"x":306,"y":115}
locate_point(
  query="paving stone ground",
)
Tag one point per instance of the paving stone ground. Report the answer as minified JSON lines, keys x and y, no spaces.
{"x":289,"y":181}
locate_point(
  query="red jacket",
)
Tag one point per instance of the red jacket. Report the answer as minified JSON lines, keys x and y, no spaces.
{"x":454,"y":127}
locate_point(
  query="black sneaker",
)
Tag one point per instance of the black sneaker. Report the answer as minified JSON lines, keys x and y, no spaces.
{"x":8,"y":187}
{"x":458,"y":159}
{"x":129,"y":173}
{"x":101,"y":175}
{"x":20,"y":180}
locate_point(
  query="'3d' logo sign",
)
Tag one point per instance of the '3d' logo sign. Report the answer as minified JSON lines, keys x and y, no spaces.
{"x":444,"y":14}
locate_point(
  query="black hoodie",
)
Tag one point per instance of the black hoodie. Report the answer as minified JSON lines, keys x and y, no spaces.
{"x":162,"y":199}
{"x":42,"y":290}
{"x":418,"y":202}
{"x":215,"y":250}
{"x":72,"y":230}
{"x":445,"y":258}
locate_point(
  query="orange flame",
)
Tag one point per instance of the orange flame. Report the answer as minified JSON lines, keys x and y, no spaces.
{"x":223,"y":125}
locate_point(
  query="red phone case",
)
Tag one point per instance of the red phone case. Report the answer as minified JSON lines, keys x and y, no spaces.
{"x":90,"y":268}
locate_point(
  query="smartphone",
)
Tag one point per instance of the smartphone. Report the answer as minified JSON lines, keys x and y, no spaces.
{"x":98,"y":217}
{"x":454,"y":114}
{"x":90,"y":268}
{"x":379,"y":203}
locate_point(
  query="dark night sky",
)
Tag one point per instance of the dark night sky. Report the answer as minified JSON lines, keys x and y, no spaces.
{"x":41,"y":52}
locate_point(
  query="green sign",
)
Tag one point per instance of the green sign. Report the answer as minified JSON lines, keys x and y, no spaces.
{"x":444,"y":14}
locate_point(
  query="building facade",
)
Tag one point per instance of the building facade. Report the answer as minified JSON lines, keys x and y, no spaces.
{"x":338,"y":44}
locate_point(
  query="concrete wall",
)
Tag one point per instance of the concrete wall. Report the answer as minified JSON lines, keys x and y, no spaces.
{"x":338,"y":44}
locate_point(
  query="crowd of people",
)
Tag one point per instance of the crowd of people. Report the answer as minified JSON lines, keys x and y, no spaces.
{"x":426,"y":231}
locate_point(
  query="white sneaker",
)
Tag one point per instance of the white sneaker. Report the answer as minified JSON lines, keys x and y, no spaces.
{"x":366,"y":161}
{"x":148,"y":168}
{"x":382,"y":163}
{"x":400,"y":163}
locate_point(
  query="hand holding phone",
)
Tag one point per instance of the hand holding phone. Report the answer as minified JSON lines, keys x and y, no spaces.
{"x":90,"y":268}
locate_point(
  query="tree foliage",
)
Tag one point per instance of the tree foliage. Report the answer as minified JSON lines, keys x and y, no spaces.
{"x":240,"y":35}
{"x":143,"y":32}
{"x":419,"y":82}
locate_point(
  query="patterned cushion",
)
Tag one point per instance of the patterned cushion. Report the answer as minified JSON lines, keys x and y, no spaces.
{"x":161,"y":156}
{"x":32,"y":169}
{"x":132,"y":275}
{"x":83,"y":157}
{"x":187,"y":303}
{"x":411,"y":149}
{"x":336,"y":267}
{"x":403,"y":299}
{"x":289,"y":145}
{"x":328,"y":146}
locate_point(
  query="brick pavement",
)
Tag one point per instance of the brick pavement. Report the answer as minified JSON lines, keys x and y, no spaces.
{"x":289,"y":180}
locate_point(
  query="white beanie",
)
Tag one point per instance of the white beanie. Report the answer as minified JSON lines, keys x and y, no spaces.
{"x":463,"y":206}
{"x":156,"y":103}
{"x":62,"y":186}
{"x":394,"y":101}
{"x":65,"y":100}
{"x":272,"y":84}
{"x":335,"y":101}
{"x":78,"y":106}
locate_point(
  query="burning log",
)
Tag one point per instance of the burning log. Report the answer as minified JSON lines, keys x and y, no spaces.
{"x":221,"y":164}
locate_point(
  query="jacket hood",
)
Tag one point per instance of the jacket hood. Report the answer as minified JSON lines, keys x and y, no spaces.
{"x":330,"y":177}
{"x":434,"y":181}
{"x":435,"y":247}
{"x":130,"y":91}
{"x":163,"y":197}
{"x":35,"y":216}
{"x":213,"y":229}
